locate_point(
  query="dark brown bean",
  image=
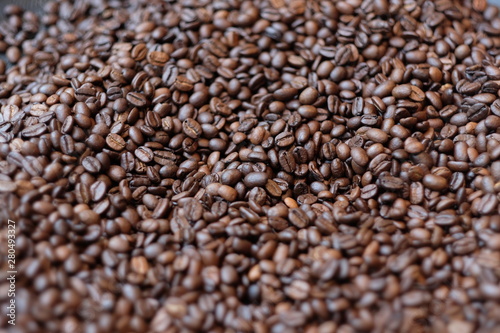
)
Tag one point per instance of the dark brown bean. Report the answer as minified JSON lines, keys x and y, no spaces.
{"x":91,"y":164}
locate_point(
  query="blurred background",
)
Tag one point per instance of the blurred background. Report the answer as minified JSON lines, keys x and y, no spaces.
{"x":38,"y":4}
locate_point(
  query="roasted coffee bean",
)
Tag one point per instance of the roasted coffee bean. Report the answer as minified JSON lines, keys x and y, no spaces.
{"x":98,"y":190}
{"x":193,"y":210}
{"x":417,"y":94}
{"x":391,"y":183}
{"x":7,"y":186}
{"x":139,"y":52}
{"x":284,"y":139}
{"x":144,"y":154}
{"x":307,"y":111}
{"x":256,"y":179}
{"x":273,"y":188}
{"x":115,"y":142}
{"x":287,"y":161}
{"x":156,"y":58}
{"x":359,"y":156}
{"x":136,"y":99}
{"x":67,"y":144}
{"x":267,"y":166}
{"x":308,"y":96}
{"x":163,"y":157}
{"x":91,"y":164}
{"x":435,"y":183}
{"x":298,"y":218}
{"x":182,"y":83}
{"x":34,"y":130}
{"x":192,"y":128}
{"x":402,"y":91}
{"x":227,"y":193}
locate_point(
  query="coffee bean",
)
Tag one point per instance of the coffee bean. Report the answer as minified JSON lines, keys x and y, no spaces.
{"x":182,"y":83}
{"x":139,"y":52}
{"x":192,"y":128}
{"x":413,"y":146}
{"x":67,"y":144}
{"x":307,"y":111}
{"x":435,"y":183}
{"x":359,"y":156}
{"x":417,"y":94}
{"x":488,"y":204}
{"x":34,"y":130}
{"x":377,"y":135}
{"x":369,"y":191}
{"x":285,"y":94}
{"x":84,"y":92}
{"x":385,"y":88}
{"x":308,"y":96}
{"x":464,"y":245}
{"x":231,"y":176}
{"x":287,"y":161}
{"x":156,"y":58}
{"x":255,"y":179}
{"x":136,"y":99}
{"x":390,"y":182}
{"x":91,"y":164}
{"x":298,"y":218}
{"x":227,"y":193}
{"x":446,"y":219}
{"x":98,"y":191}
{"x":144,"y":154}
{"x":118,"y":244}
{"x":284,"y":139}
{"x":7,"y":186}
{"x":293,"y":318}
{"x":273,"y":188}
{"x":298,"y":290}
{"x":193,"y":210}
{"x":115,"y":142}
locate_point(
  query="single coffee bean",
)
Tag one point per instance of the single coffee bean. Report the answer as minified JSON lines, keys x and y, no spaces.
{"x":435,"y":183}
{"x":377,"y":135}
{"x":298,"y":218}
{"x":136,"y":99}
{"x":273,"y":188}
{"x":34,"y":130}
{"x":402,"y":91}
{"x":284,"y":139}
{"x":155,"y":58}
{"x":193,"y":210}
{"x":7,"y":186}
{"x":417,"y":94}
{"x":182,"y":83}
{"x":115,"y":142}
{"x":308,"y":96}
{"x":227,"y":193}
{"x":118,"y":244}
{"x":256,"y":179}
{"x":359,"y":156}
{"x":307,"y":111}
{"x":192,"y":128}
{"x":91,"y":164}
{"x":384,"y":89}
{"x":144,"y":154}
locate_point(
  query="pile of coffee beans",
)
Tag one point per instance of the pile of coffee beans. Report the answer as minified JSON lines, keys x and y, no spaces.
{"x":258,"y":166}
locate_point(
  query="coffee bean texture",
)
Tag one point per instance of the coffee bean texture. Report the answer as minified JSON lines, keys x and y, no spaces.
{"x":252,"y":166}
